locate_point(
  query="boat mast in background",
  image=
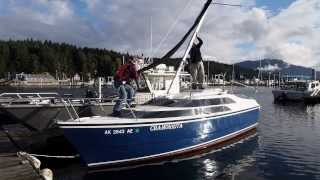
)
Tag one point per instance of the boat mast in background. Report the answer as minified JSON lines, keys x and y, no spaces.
{"x":151,"y":39}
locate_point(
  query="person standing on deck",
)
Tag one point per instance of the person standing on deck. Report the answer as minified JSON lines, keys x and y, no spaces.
{"x":196,"y":65}
{"x":122,"y":79}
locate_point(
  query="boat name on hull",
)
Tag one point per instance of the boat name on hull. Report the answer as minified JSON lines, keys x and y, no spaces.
{"x":161,"y":127}
{"x":165,"y":127}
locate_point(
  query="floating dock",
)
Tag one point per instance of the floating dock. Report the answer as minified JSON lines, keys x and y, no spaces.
{"x":16,"y":165}
{"x":13,"y":167}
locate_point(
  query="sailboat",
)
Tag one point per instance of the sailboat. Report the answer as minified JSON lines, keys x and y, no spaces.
{"x":170,"y":124}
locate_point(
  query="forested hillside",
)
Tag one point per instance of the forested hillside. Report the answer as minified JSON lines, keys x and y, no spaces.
{"x":30,"y":56}
{"x":64,"y":60}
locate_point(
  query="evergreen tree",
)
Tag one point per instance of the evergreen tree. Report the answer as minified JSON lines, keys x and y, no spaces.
{"x":4,"y":57}
{"x":32,"y":56}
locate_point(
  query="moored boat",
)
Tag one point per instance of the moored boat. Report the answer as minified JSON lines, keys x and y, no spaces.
{"x":39,"y":111}
{"x":299,"y":90}
{"x":171,"y":123}
{"x":163,"y":127}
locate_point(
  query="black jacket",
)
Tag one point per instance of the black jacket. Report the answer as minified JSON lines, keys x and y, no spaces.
{"x":195,"y":53}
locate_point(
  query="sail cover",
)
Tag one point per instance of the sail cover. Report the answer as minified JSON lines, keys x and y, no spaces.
{"x":175,"y":48}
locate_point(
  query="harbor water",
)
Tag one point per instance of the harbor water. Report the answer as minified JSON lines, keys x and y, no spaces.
{"x":285,"y":146}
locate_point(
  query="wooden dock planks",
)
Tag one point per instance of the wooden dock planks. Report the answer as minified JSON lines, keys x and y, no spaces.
{"x":13,"y":167}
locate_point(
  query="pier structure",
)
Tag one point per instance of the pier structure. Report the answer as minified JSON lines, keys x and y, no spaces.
{"x":17,"y":165}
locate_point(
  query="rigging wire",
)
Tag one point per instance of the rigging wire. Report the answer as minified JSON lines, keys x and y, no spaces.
{"x":179,"y":16}
{"x":225,"y":4}
{"x":172,"y":27}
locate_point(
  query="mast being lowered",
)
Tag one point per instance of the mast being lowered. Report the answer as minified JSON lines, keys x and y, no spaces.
{"x":199,"y":24}
{"x":196,"y":24}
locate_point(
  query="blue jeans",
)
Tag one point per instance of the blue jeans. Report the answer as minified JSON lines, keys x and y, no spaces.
{"x":126,"y":94}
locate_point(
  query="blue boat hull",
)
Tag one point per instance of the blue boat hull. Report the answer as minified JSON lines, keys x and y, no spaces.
{"x":109,"y":144}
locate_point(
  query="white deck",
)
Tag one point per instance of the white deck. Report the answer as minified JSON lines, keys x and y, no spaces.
{"x":241,"y":104}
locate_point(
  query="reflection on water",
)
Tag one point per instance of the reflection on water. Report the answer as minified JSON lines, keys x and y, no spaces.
{"x":210,"y":167}
{"x":228,"y":163}
{"x":289,"y":146}
{"x":218,"y":164}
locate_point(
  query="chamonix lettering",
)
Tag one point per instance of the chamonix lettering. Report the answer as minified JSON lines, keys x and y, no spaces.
{"x":166,"y":127}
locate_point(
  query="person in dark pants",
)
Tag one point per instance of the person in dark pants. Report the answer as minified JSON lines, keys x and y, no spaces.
{"x":196,"y":65}
{"x":122,"y":79}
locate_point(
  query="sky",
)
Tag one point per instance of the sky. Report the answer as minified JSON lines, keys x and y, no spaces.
{"x":282,"y":29}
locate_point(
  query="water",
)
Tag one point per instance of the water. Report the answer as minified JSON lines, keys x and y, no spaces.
{"x":286,"y":146}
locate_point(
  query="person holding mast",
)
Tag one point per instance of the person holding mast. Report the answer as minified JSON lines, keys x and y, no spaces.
{"x":196,"y":65}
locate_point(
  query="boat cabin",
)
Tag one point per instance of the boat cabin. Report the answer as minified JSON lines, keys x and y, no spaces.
{"x":159,"y":80}
{"x":301,"y":85}
{"x":178,"y":107}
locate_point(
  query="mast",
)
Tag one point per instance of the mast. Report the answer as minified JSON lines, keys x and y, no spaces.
{"x":176,"y":47}
{"x":233,"y":73}
{"x":208,"y":72}
{"x":200,"y":18}
{"x":99,"y":89}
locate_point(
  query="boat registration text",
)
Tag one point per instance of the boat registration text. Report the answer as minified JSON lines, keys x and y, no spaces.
{"x":161,"y":127}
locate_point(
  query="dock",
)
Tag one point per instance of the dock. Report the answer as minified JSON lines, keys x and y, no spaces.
{"x":17,"y":165}
{"x":13,"y":167}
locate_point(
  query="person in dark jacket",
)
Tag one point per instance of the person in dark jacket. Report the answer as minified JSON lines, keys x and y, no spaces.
{"x":122,"y":83}
{"x":196,"y":65}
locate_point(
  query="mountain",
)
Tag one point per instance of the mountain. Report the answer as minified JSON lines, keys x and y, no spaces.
{"x":276,"y":65}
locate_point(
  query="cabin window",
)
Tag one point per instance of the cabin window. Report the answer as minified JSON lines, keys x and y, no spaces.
{"x":190,"y":102}
{"x":175,"y":113}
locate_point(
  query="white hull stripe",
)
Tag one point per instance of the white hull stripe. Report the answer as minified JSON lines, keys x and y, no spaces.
{"x":78,"y":125}
{"x":214,"y":141}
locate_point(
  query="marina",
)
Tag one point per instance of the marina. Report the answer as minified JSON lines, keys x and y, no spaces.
{"x":231,"y":91}
{"x":284,"y":134}
{"x":185,"y":122}
{"x":282,"y":142}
